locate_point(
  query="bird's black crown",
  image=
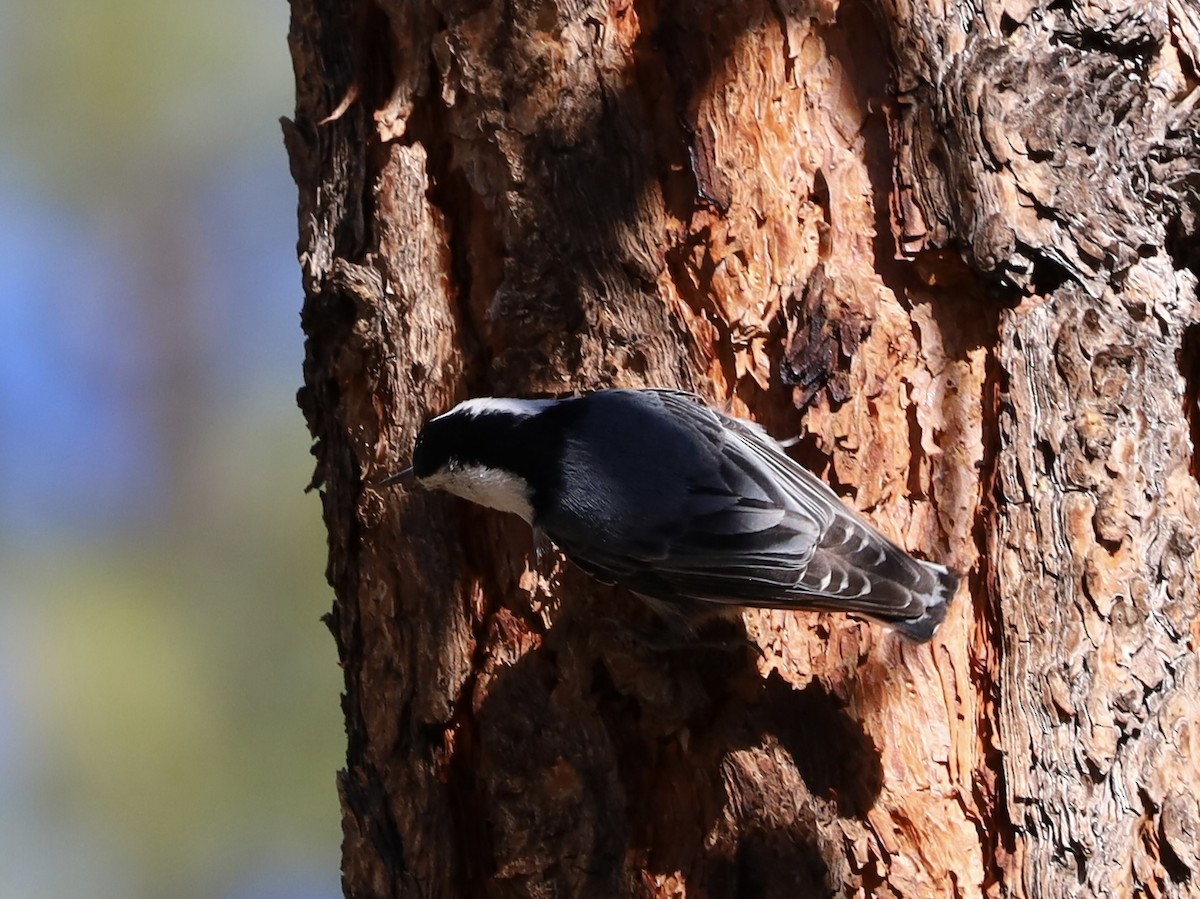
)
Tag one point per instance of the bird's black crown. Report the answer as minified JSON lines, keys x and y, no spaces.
{"x":499,"y":438}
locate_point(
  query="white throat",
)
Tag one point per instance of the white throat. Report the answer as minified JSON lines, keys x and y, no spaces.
{"x":489,"y":487}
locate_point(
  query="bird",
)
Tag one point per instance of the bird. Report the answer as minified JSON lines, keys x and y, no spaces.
{"x":686,"y":506}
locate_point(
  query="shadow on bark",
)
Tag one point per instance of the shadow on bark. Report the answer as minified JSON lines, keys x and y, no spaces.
{"x":606,"y":751}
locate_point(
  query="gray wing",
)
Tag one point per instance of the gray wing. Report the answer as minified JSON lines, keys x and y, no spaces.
{"x":757,"y":529}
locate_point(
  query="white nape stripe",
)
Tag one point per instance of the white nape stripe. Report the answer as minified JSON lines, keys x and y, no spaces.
{"x":491,"y":487}
{"x":511,"y":405}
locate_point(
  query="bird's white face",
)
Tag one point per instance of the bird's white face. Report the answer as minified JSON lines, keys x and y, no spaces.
{"x":489,"y":487}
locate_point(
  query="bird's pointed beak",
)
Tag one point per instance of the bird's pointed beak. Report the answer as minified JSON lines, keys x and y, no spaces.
{"x":405,"y":477}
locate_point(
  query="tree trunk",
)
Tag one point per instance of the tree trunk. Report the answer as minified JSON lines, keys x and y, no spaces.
{"x":953,"y":245}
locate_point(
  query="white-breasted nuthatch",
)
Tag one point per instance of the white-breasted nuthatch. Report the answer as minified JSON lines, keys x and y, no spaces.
{"x":657,"y":492}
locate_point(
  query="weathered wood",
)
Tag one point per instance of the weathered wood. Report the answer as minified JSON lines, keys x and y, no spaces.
{"x":947,"y":245}
{"x":1049,"y":143}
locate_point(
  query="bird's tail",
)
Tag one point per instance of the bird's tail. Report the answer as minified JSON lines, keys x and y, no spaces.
{"x":937,"y":602}
{"x":855,"y":568}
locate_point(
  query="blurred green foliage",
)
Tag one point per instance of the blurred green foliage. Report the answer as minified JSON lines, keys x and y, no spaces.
{"x":131,"y":89}
{"x":169,"y":721}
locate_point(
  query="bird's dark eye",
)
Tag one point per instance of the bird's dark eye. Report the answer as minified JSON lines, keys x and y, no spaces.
{"x":434,"y":448}
{"x":422,"y":463}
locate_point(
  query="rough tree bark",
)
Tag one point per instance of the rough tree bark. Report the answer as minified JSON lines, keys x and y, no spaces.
{"x":951,"y":244}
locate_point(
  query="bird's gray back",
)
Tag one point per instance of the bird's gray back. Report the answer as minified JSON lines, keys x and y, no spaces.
{"x":677,"y":502}
{"x":652,"y":474}
{"x":627,"y":471}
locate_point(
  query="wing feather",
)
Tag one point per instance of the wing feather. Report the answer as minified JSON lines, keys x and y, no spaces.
{"x":760,"y":530}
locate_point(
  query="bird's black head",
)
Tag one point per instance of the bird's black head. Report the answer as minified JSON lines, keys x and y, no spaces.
{"x":481,"y":432}
{"x":433,"y":448}
{"x":486,"y":451}
{"x":446,"y":442}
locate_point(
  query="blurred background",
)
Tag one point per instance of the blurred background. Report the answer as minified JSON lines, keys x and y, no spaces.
{"x":169,"y":722}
